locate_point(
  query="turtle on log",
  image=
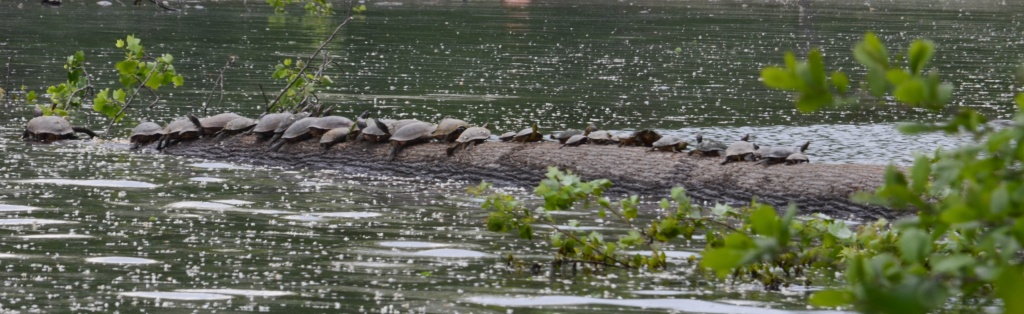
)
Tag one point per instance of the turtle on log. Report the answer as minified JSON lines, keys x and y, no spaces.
{"x":413,"y":133}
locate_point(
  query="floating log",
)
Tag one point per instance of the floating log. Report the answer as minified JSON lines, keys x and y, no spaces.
{"x":813,"y":187}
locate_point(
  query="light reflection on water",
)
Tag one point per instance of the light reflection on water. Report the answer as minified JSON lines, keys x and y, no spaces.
{"x":236,"y":237}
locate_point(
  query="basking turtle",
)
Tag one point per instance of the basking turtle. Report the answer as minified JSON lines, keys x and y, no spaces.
{"x":564,"y":136}
{"x":178,"y":130}
{"x":211,"y":125}
{"x":576,"y":140}
{"x":413,"y":133}
{"x":236,"y":126}
{"x":296,"y":132}
{"x":469,"y":137}
{"x":449,"y":130}
{"x":335,"y":136}
{"x":641,"y":138}
{"x":375,"y":134}
{"x":507,"y":136}
{"x":322,"y":125}
{"x":267,"y":124}
{"x":281,"y":128}
{"x":528,"y":135}
{"x":669,"y":143}
{"x":145,"y":133}
{"x":778,"y":155}
{"x":740,"y":151}
{"x":52,"y":128}
{"x":710,"y":148}
{"x":797,"y":158}
{"x":602,"y":138}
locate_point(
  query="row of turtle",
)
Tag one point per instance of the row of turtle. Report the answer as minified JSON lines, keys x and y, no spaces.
{"x":282,"y":129}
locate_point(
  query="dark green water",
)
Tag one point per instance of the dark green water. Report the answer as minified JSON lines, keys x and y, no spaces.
{"x":322,"y":241}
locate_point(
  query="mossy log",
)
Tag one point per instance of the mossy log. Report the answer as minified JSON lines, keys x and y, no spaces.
{"x":813,"y":187}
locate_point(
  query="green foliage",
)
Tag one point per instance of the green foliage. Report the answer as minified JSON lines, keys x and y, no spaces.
{"x":67,"y":96}
{"x":137,"y":71}
{"x":303,"y":88}
{"x":966,"y":236}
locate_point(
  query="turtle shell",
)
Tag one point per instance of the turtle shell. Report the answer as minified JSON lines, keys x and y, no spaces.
{"x":334,"y":136}
{"x":601,"y":138}
{"x":270,"y":122}
{"x":414,"y":131}
{"x":239,"y":124}
{"x":577,"y":140}
{"x":449,"y":129}
{"x":145,"y":133}
{"x":217,"y":122}
{"x":507,"y":136}
{"x":474,"y":134}
{"x":669,"y":143}
{"x":287,"y":123}
{"x":564,"y":136}
{"x":49,"y":125}
{"x":797,"y":158}
{"x":332,"y":122}
{"x":528,"y":135}
{"x":644,"y":138}
{"x":179,"y":127}
{"x":299,"y":128}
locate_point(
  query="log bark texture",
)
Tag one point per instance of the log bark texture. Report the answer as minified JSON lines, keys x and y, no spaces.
{"x":813,"y":187}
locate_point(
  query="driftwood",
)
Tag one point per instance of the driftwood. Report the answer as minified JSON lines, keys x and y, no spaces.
{"x":813,"y":187}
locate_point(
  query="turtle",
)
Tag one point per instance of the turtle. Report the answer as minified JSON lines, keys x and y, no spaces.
{"x":336,"y":135}
{"x":641,"y":138}
{"x":528,"y":135}
{"x":176,"y":131}
{"x":373,"y":133}
{"x":470,"y":137}
{"x":145,"y":133}
{"x":52,"y":128}
{"x":576,"y":140}
{"x":449,"y":130}
{"x":507,"y":136}
{"x":324,"y":124}
{"x":296,"y":132}
{"x":236,"y":126}
{"x":741,"y":151}
{"x":413,"y":133}
{"x":212,"y":124}
{"x":281,"y":128}
{"x":267,"y":124}
{"x":670,"y":143}
{"x":602,"y":138}
{"x":710,"y":148}
{"x":778,"y":155}
{"x":797,"y":158}
{"x":564,"y":136}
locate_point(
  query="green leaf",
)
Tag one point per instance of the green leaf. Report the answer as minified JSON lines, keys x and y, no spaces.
{"x":947,"y":264}
{"x":178,"y":80}
{"x":764,"y":220}
{"x":287,"y":62}
{"x":722,"y":260}
{"x":840,"y":81}
{"x":120,"y":95}
{"x":1009,"y":288}
{"x":1020,"y":101}
{"x":127,"y":67}
{"x":816,"y":66}
{"x":920,"y":174}
{"x":811,"y":102}
{"x":915,"y":245}
{"x":119,"y":43}
{"x":897,"y":77}
{"x":31,"y":97}
{"x":871,"y":52}
{"x":831,"y":298}
{"x":167,"y":58}
{"x":911,"y":91}
{"x":1000,"y":199}
{"x":876,"y":81}
{"x":919,"y":54}
{"x":779,"y":78}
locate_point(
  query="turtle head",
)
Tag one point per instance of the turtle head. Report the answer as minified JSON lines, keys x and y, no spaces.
{"x":746,"y":138}
{"x":380,"y":125}
{"x":804,"y":146}
{"x":38,"y":112}
{"x":590,"y":128}
{"x":700,"y":138}
{"x":361,"y":119}
{"x":195,"y":120}
{"x":534,"y":127}
{"x":485,"y":125}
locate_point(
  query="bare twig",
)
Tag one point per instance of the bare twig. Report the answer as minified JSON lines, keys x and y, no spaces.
{"x":265,"y":99}
{"x":308,"y":62}
{"x":219,"y":82}
{"x":7,"y":78}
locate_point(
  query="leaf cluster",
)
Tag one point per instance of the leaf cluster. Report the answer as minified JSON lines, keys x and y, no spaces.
{"x":137,"y":71}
